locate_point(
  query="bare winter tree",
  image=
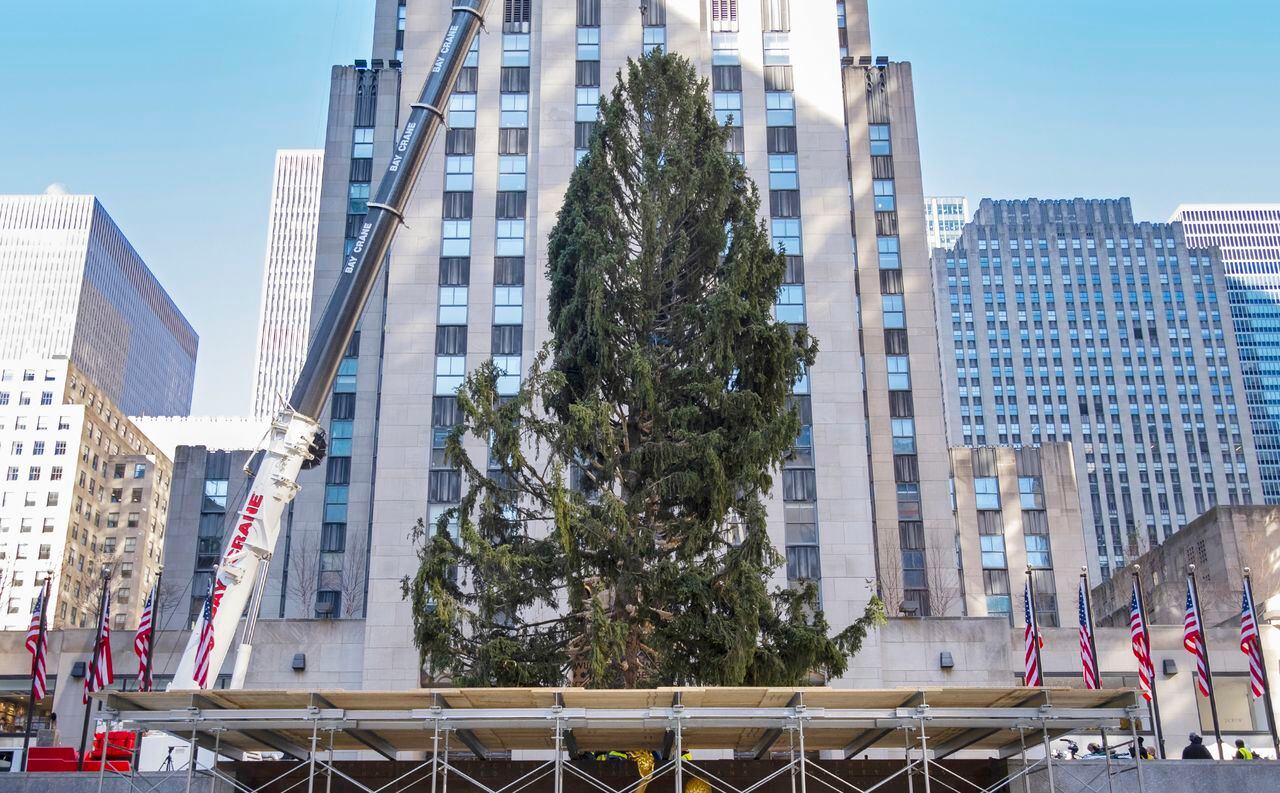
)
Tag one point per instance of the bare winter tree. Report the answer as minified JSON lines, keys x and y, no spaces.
{"x":304,"y":571}
{"x":890,"y":579}
{"x":944,"y":583}
{"x":353,"y":577}
{"x":170,"y":601}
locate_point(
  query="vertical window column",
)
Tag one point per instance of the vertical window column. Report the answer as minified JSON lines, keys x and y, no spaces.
{"x":726,"y":82}
{"x":799,"y":476}
{"x":509,"y":243}
{"x":401,"y":14}
{"x":444,"y":481}
{"x":587,"y":76}
{"x":653,"y":15}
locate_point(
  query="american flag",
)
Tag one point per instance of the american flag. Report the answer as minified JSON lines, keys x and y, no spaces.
{"x":1141,"y":645}
{"x":205,"y":648}
{"x":1250,"y":642}
{"x":1193,"y":640}
{"x":142,"y":643}
{"x":38,"y":645}
{"x":1034,"y":640}
{"x":1087,"y":659}
{"x":100,"y":673}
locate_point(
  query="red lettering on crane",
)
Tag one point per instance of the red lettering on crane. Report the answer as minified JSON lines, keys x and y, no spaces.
{"x":237,"y":541}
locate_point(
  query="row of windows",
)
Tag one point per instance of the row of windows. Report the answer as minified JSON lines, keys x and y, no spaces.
{"x":34,"y":473}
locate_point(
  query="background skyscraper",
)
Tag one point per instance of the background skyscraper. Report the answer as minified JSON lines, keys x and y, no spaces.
{"x":944,"y":218}
{"x":284,"y":319}
{"x":72,"y":286}
{"x":1067,"y":320}
{"x":1248,"y":235}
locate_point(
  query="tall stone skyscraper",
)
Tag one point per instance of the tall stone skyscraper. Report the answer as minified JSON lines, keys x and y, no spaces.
{"x":1068,"y":320}
{"x":867,"y":486}
{"x":1248,"y":235}
{"x":284,"y":319}
{"x":72,"y":286}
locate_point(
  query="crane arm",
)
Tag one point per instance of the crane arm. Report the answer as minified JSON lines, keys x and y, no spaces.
{"x":295,"y":437}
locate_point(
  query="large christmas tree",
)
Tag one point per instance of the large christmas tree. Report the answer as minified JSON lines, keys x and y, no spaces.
{"x":616,"y":534}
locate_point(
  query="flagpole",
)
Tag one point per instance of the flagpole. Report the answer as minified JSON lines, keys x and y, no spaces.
{"x":1035,"y":623}
{"x":36,"y":658}
{"x":155,"y":629}
{"x":97,"y":646}
{"x":1156,"y":725}
{"x":1097,"y":665}
{"x":1208,"y":668}
{"x":1262,"y":662}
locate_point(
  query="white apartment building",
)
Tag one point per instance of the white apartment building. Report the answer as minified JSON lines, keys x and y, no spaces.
{"x":81,"y":488}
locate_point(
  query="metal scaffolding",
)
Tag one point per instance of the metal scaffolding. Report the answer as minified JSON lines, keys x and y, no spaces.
{"x":798,"y":726}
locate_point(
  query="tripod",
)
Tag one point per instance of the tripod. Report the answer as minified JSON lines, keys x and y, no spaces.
{"x":167,"y":765}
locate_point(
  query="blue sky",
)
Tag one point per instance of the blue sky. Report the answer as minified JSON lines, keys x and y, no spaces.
{"x":171,"y":114}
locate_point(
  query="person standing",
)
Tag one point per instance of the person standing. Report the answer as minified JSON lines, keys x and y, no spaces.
{"x":1243,"y":752}
{"x":1196,"y":750}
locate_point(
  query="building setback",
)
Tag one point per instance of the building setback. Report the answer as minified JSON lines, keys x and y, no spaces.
{"x":1067,"y":320}
{"x":1017,"y":510}
{"x":284,"y":317}
{"x":1248,"y":235}
{"x":72,"y":286}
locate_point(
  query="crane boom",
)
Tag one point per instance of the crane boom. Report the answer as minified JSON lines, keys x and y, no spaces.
{"x":295,"y":436}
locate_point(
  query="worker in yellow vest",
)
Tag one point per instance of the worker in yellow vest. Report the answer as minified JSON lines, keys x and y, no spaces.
{"x":1243,"y":752}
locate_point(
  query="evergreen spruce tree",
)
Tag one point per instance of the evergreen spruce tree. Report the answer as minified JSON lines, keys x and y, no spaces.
{"x":616,"y":535}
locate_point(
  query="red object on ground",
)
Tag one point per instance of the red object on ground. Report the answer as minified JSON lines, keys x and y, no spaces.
{"x":52,"y":758}
{"x":121,"y":766}
{"x":120,"y":745}
{"x":45,"y":759}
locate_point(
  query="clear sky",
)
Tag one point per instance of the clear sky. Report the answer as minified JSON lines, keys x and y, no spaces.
{"x":171,"y":114}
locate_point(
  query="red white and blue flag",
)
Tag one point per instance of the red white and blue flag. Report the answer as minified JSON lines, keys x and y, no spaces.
{"x":1193,"y":640}
{"x":1034,"y":641}
{"x":1088,"y":661}
{"x":1251,"y":642}
{"x":205,"y":648}
{"x":100,"y":673}
{"x":142,"y":642}
{"x":38,"y":645}
{"x":1141,"y":645}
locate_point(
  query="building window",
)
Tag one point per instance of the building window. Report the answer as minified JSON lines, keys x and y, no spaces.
{"x":898,"y":369}
{"x":894,"y":308}
{"x":458,"y":173}
{"x":328,"y":602}
{"x":880,"y":145}
{"x":993,"y":553}
{"x":1038,"y":551}
{"x":987,"y":492}
{"x":790,"y":305}
{"x":904,"y":436}
{"x":589,"y":43}
{"x":887,"y":250}
{"x":512,"y":171}
{"x":884,"y":197}
{"x":655,"y":37}
{"x":1031,"y":492}
{"x":780,"y":109}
